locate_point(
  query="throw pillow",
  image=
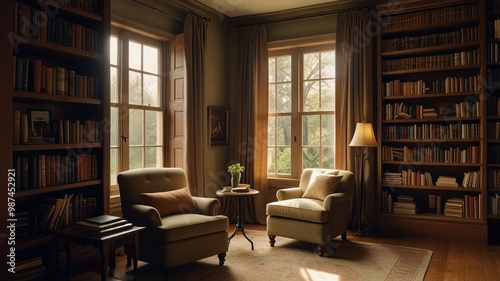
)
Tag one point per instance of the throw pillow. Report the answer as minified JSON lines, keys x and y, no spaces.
{"x":321,"y":185}
{"x":170,"y":202}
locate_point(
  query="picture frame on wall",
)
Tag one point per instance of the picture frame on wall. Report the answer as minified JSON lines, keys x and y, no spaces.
{"x":218,"y":125}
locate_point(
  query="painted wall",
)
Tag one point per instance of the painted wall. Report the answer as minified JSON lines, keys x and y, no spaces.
{"x":301,"y":28}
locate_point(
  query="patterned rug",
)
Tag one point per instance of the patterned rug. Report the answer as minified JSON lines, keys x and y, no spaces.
{"x":292,"y":260}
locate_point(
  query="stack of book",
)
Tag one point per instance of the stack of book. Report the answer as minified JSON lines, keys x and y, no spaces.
{"x":405,"y":205}
{"x":102,"y":225}
{"x":454,"y":207}
{"x":429,"y":113}
{"x":391,"y":178}
{"x":447,"y":181}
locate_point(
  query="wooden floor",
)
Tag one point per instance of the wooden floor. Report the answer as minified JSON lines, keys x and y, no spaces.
{"x":450,"y":260}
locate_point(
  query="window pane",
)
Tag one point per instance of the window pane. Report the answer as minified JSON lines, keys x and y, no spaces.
{"x":134,"y":87}
{"x":284,"y":130}
{"x":153,"y":128}
{"x":271,"y":133}
{"x":271,"y":161}
{"x":136,"y":123}
{"x":328,"y":161}
{"x":134,"y":55}
{"x":272,"y":70}
{"x":327,"y":65}
{"x":135,"y":158}
{"x":114,"y":84}
{"x":311,"y":134}
{"x":328,"y":130}
{"x":284,"y":101}
{"x":153,"y":157}
{"x":311,"y":96}
{"x":113,"y":50}
{"x":151,"y":59}
{"x":272,"y":98}
{"x":328,"y":95}
{"x":311,"y":66}
{"x":114,"y":129}
{"x":284,"y":69}
{"x":284,"y":160}
{"x":151,"y":92}
{"x":310,"y":157}
{"x":113,"y":163}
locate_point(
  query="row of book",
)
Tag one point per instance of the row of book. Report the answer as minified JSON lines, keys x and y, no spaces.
{"x":43,"y":170}
{"x":102,"y":225}
{"x":494,"y":178}
{"x":432,"y":131}
{"x":493,"y":106}
{"x":34,"y":75}
{"x":493,"y":154}
{"x":495,"y":32}
{"x":469,"y":154}
{"x":493,"y":77}
{"x":411,"y":177}
{"x":401,"y":111}
{"x":463,"y":58}
{"x":494,"y":204}
{"x":467,"y":207}
{"x":30,"y":269}
{"x":34,"y":23}
{"x":434,"y":16}
{"x":89,"y":6}
{"x":448,"y":85}
{"x":464,"y":35}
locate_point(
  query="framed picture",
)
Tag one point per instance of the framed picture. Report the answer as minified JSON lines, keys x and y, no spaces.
{"x":218,"y":119}
{"x":39,"y":123}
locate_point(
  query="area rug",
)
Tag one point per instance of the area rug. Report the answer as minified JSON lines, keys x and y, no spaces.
{"x":294,"y":260}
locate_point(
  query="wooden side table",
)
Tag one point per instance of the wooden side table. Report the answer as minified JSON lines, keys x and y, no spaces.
{"x":240,"y":197}
{"x":105,"y":244}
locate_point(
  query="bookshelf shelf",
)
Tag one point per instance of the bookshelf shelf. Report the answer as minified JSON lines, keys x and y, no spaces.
{"x":55,"y":49}
{"x":43,"y":190}
{"x":30,"y":96}
{"x":46,"y":147}
{"x":428,"y":66}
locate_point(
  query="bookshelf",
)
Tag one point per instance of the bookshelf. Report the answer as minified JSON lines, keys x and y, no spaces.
{"x":432,"y":121}
{"x":493,"y":119}
{"x":57,"y":114}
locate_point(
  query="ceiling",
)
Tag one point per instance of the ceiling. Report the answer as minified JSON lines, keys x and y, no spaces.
{"x":235,"y":8}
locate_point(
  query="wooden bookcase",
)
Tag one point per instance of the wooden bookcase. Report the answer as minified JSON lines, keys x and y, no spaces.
{"x":56,"y":95}
{"x":432,"y":124}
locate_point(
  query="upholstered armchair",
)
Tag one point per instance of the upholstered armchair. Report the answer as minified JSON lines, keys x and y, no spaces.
{"x":180,"y":228}
{"x":317,"y":211}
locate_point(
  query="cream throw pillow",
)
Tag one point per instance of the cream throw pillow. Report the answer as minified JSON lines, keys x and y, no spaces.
{"x":322,"y":184}
{"x":171,"y":202}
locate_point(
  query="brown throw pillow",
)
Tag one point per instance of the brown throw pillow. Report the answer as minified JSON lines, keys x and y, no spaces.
{"x":171,"y":202}
{"x":321,"y":185}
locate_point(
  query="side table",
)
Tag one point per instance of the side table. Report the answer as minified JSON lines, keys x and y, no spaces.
{"x":105,"y":244}
{"x":240,"y":198}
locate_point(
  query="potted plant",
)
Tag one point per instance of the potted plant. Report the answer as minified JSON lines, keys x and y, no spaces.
{"x":235,"y":169}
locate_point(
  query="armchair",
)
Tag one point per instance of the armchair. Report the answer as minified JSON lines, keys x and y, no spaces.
{"x":315,"y":220}
{"x":187,"y":235}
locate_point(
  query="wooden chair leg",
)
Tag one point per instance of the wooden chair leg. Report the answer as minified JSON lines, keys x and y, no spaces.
{"x":320,"y":250}
{"x":272,"y":240}
{"x":222,"y":258}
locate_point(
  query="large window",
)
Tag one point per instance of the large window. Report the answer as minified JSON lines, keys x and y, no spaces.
{"x":136,"y":103}
{"x":301,"y":110}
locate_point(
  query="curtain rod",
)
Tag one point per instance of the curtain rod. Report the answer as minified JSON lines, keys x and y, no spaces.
{"x":165,"y":13}
{"x":185,"y":9}
{"x":320,"y":14}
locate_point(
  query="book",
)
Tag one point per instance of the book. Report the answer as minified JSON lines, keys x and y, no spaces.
{"x":16,"y":128}
{"x":103,"y":219}
{"x":93,"y":226}
{"x":107,"y":231}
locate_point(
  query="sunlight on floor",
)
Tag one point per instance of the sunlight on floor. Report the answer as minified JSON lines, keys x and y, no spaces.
{"x":311,"y":274}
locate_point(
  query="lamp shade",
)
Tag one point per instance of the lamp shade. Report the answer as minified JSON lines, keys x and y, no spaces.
{"x":363,"y":135}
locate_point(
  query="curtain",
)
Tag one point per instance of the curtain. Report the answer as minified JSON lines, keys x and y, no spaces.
{"x":251,"y":116}
{"x":195,"y":38}
{"x":354,"y":99}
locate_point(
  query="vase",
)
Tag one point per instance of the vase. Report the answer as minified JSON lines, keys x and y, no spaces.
{"x":235,"y":179}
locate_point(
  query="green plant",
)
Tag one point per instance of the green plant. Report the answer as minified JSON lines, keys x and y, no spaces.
{"x":235,"y":168}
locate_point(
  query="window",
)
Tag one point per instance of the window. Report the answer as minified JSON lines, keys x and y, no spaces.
{"x":301,"y":110}
{"x":136,"y":103}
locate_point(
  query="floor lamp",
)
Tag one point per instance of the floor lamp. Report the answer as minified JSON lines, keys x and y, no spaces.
{"x":363,"y":137}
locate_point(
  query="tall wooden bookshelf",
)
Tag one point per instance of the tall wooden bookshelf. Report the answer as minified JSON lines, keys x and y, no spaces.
{"x":432,"y":121}
{"x":55,"y":97}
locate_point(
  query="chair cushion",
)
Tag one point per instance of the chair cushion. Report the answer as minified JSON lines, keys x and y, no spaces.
{"x":305,"y":209}
{"x":171,"y":202}
{"x":185,"y":226}
{"x":321,"y":184}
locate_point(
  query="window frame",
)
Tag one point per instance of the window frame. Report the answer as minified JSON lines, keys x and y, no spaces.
{"x":297,"y":48}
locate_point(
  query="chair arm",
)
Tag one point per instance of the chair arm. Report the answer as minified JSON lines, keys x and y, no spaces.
{"x":289,"y":193}
{"x":335,"y":200}
{"x":207,"y":206}
{"x":143,"y":215}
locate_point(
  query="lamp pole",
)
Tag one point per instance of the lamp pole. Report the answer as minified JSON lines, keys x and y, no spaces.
{"x":361,"y":193}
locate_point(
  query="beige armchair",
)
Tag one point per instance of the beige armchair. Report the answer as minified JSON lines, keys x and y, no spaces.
{"x":191,"y":233}
{"x":312,"y":220}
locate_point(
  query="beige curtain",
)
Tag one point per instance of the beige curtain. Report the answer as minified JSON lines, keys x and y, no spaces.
{"x":195,"y":30}
{"x":354,"y":99}
{"x":251,"y":116}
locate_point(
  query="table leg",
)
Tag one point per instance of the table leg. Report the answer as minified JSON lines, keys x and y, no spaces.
{"x":239,"y":220}
{"x":112,"y":262}
{"x":68,"y":257}
{"x":104,"y":260}
{"x":136,"y":252}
